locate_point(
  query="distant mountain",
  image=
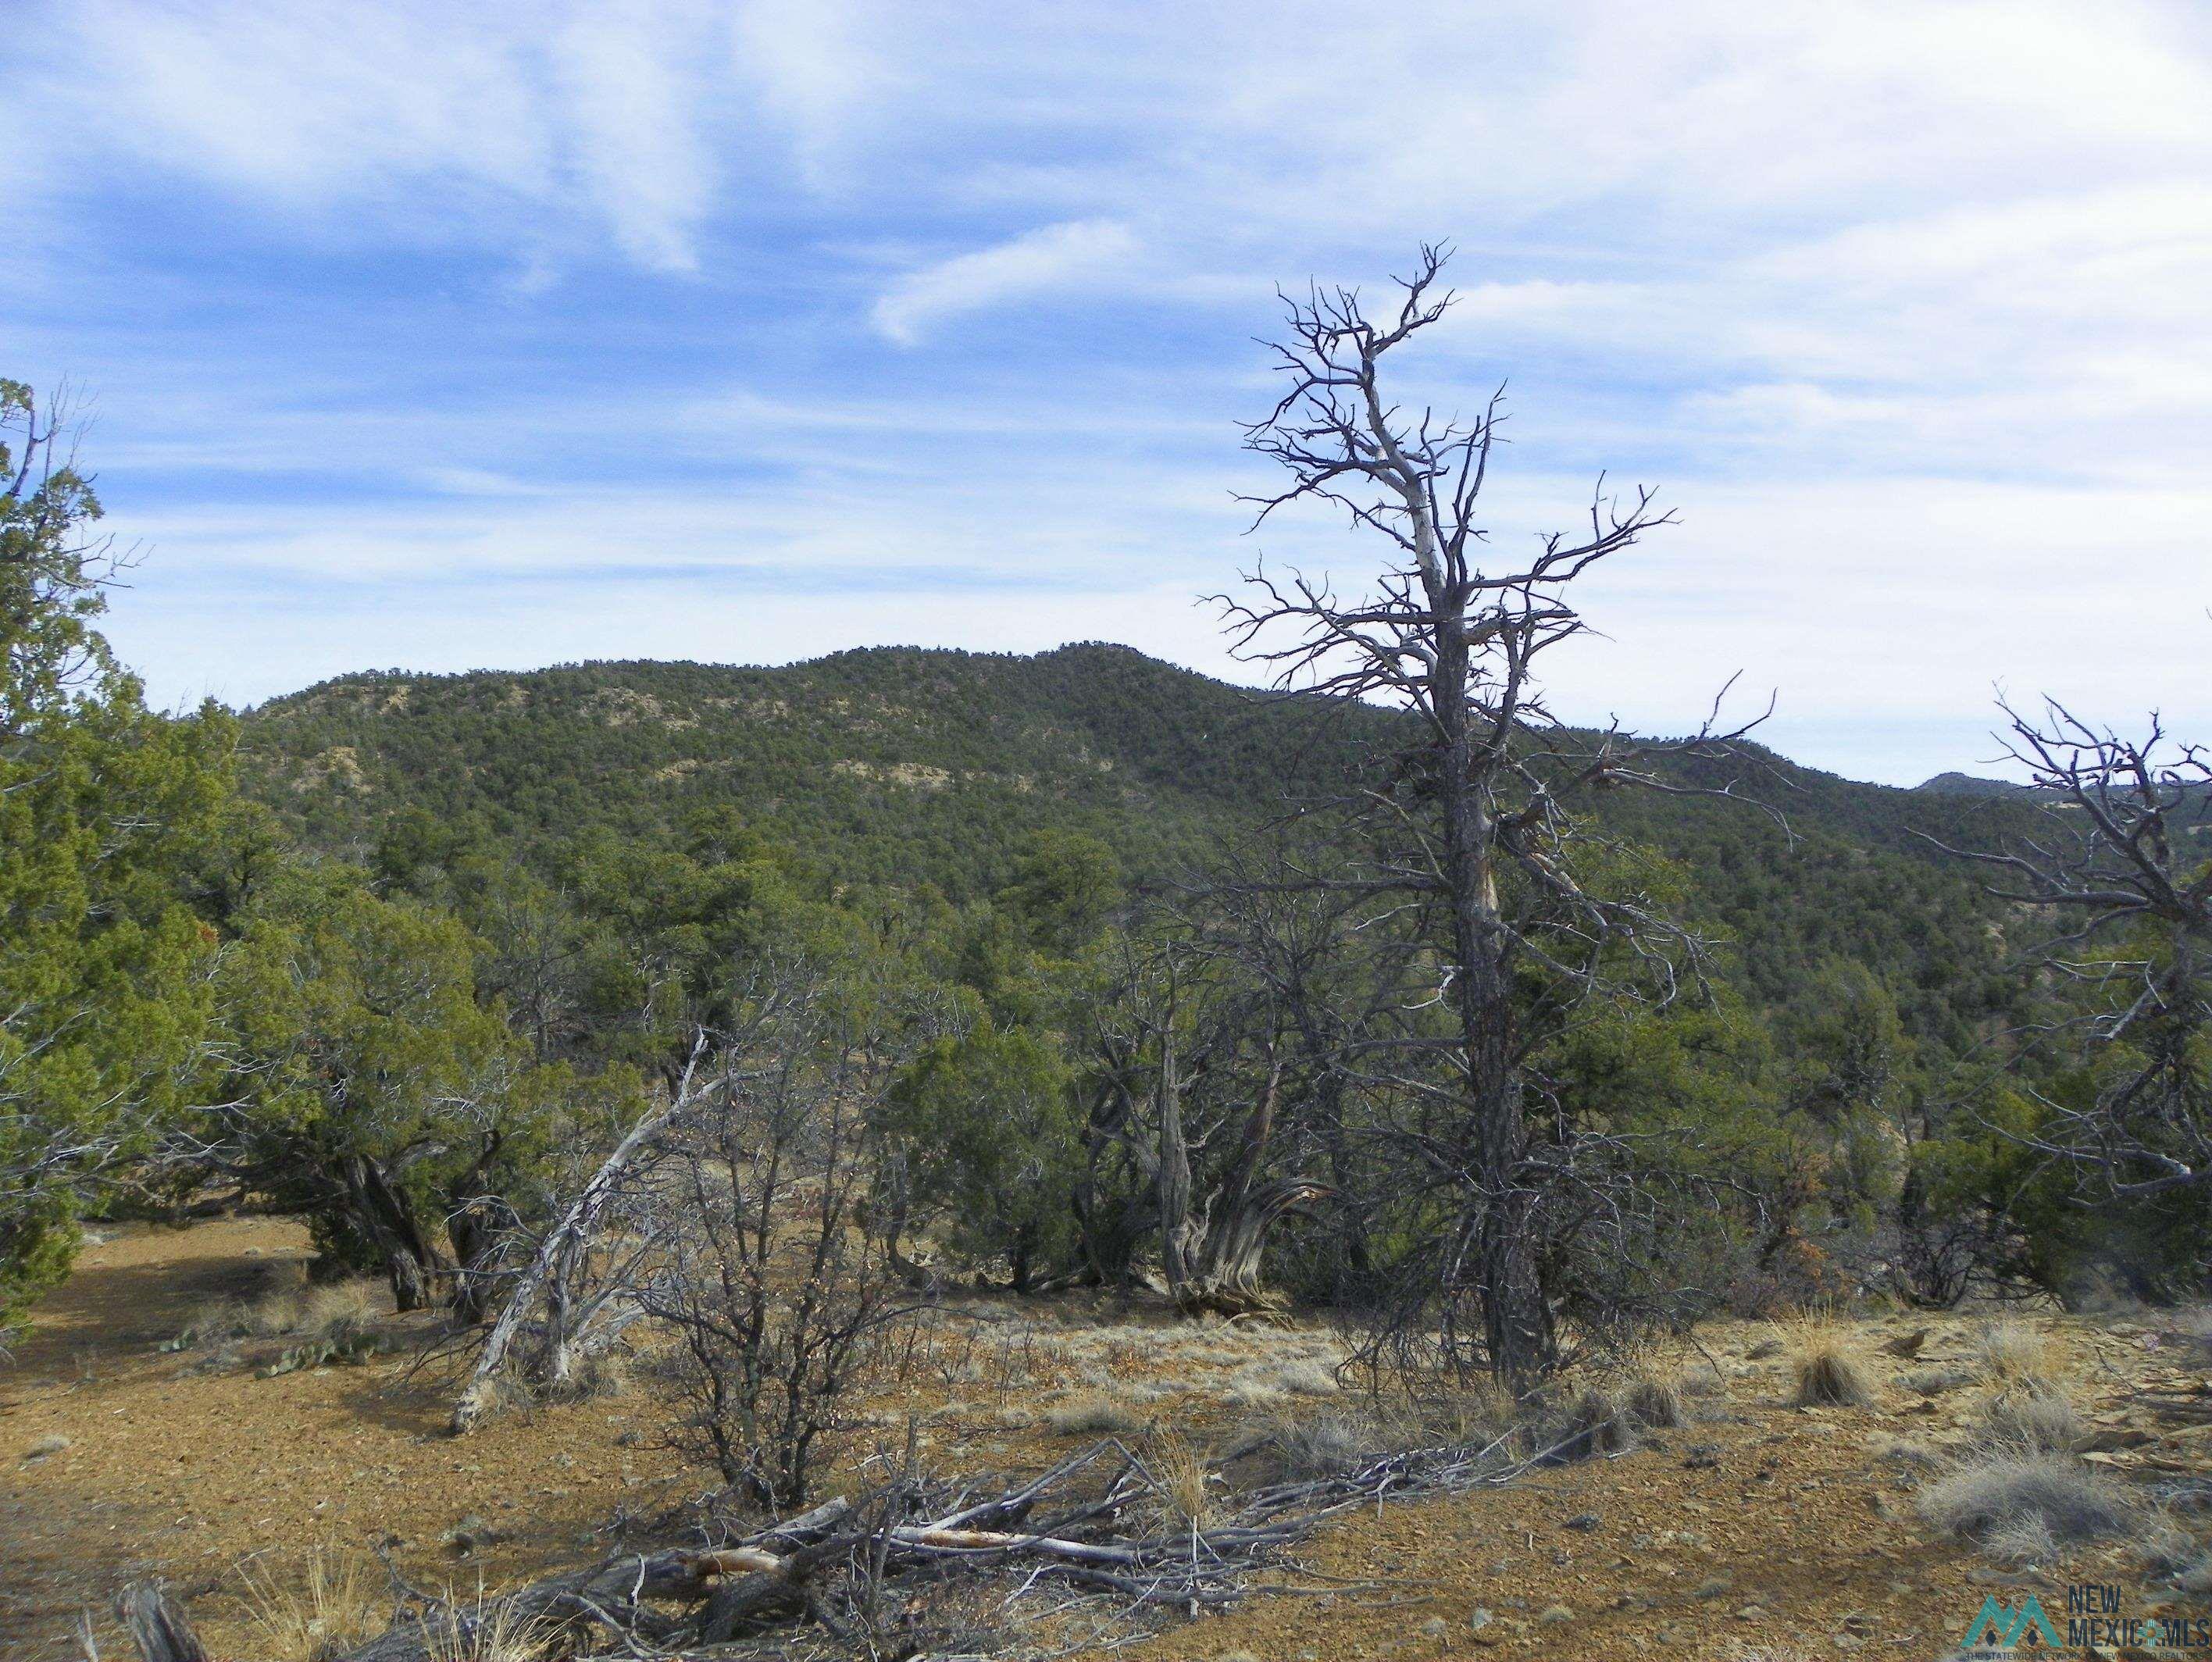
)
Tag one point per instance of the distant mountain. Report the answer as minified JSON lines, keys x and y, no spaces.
{"x":902,"y":765}
{"x":1965,"y":785}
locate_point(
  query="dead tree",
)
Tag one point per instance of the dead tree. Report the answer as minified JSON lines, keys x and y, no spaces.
{"x":574,"y":1311}
{"x":781,"y":1301}
{"x":2122,"y":861}
{"x":1471,"y":819}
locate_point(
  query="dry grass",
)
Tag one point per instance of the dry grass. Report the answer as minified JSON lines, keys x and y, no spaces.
{"x":1301,"y":1378}
{"x":2032,"y":1421}
{"x":1183,"y":1482}
{"x":1826,"y":1367}
{"x":1703,"y":1381}
{"x":40,"y":1449}
{"x":1323,"y":1444}
{"x":337,"y":1314}
{"x":492,"y":1635}
{"x":2009,"y":1352}
{"x":595,"y":1378}
{"x":331,"y":1608}
{"x":2025,"y":1542}
{"x":2194,"y":1328}
{"x":1094,"y":1413}
{"x":1594,"y":1423}
{"x":2170,"y":1553}
{"x":1902,"y":1451}
{"x":1998,"y":1497}
{"x":1655,"y":1399}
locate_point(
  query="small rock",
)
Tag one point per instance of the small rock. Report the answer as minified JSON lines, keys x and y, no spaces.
{"x":472,"y":1535}
{"x":1481,"y":1619}
{"x":1436,"y":1628}
{"x":1584,"y":1521}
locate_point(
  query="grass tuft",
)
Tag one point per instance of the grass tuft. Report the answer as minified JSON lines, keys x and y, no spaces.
{"x":1595,"y":1423}
{"x":1826,"y":1369}
{"x":331,"y":1609}
{"x":1183,"y":1484}
{"x":1094,"y":1413}
{"x":2032,"y":1421}
{"x":1655,"y":1399}
{"x":2009,"y":1352}
{"x":1324,"y":1445}
{"x":495,"y":1634}
{"x":1997,"y":1494}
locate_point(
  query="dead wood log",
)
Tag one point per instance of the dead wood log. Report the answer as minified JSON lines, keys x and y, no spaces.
{"x":156,"y":1625}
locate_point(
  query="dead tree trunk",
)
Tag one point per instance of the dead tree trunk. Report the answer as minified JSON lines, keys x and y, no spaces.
{"x":552,"y":1267}
{"x":156,"y":1626}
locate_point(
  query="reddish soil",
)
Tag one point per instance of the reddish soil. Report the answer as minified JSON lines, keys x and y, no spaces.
{"x":1763,"y":1531}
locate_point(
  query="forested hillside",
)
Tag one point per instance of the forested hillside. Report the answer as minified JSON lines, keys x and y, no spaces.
{"x":900,"y":768}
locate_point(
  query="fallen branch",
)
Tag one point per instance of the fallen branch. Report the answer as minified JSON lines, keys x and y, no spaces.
{"x":826,"y":1569}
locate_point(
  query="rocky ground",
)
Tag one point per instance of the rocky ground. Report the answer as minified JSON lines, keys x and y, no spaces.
{"x":1756,"y":1530}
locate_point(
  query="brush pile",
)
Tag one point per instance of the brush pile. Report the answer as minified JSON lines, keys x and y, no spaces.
{"x":917,"y":1568}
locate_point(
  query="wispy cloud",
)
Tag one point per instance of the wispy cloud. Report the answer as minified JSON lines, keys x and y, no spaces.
{"x":1899,"y":298}
{"x":1083,"y":254}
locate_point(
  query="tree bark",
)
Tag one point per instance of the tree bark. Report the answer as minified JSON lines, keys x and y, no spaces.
{"x":156,"y":1626}
{"x":382,"y":1212}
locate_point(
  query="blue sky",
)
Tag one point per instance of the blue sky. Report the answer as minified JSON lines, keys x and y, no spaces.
{"x":442,"y":336}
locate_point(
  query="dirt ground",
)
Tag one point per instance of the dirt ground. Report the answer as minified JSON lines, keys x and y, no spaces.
{"x":1760,"y":1531}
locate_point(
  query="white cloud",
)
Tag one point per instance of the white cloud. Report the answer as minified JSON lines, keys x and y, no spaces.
{"x":1076,"y":255}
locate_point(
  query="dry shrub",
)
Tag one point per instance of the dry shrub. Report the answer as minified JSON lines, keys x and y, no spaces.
{"x":1703,"y":1379}
{"x":1094,"y":1413}
{"x":2007,"y":1352}
{"x":2032,"y":1421}
{"x":40,"y":1449}
{"x":1901,"y":1451}
{"x":1655,"y":1399}
{"x":1594,"y":1423}
{"x":1324,"y":1445}
{"x":1827,"y":1368}
{"x":1997,"y":1495}
{"x":330,"y":1607}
